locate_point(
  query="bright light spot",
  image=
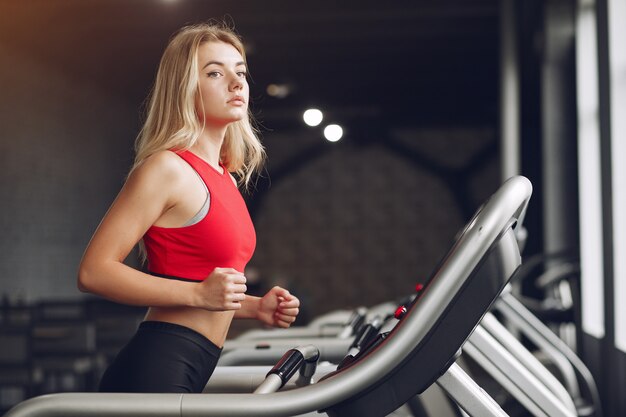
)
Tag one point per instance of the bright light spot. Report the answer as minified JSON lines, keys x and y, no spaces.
{"x":313,"y":117}
{"x":333,"y":133}
{"x":278,"y":90}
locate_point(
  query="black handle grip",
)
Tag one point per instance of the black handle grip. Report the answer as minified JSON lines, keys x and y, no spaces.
{"x":288,"y":365}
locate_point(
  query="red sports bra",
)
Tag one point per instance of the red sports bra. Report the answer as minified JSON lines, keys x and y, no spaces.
{"x":224,"y":238}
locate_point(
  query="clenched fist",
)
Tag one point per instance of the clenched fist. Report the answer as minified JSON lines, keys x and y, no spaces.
{"x":278,"y":308}
{"x":224,"y":289}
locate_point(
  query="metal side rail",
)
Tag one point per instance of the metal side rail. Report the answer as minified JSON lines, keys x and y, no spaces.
{"x":267,"y":352}
{"x":327,"y":326}
{"x":468,"y":395}
{"x":527,"y":359}
{"x":562,"y":356}
{"x":246,"y":379}
{"x":526,"y":322}
{"x":485,"y":350}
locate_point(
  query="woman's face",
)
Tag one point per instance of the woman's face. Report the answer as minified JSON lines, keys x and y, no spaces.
{"x":224,"y":90}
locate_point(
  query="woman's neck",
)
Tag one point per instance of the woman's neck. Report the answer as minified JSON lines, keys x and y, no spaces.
{"x":209,"y":146}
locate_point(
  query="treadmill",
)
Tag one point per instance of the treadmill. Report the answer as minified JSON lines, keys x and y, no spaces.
{"x":418,"y":351}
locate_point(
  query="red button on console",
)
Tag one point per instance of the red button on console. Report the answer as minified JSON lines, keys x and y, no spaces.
{"x":400,"y":312}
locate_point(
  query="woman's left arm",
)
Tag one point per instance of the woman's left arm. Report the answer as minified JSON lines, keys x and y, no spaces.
{"x":277,"y":308}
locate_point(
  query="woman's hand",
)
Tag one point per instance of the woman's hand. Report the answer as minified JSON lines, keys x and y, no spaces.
{"x":278,"y":308}
{"x":224,"y":289}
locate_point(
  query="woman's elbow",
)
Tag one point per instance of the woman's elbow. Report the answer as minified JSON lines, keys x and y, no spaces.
{"x":85,"y":281}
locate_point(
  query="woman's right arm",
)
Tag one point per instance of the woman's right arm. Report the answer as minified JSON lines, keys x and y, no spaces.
{"x":151,"y":190}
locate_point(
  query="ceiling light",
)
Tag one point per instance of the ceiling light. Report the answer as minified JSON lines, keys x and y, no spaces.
{"x":313,"y":117}
{"x":333,"y":133}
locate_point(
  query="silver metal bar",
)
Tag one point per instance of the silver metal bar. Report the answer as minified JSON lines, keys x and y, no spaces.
{"x":326,"y":325}
{"x":527,"y":359}
{"x":272,"y":383}
{"x":338,"y":317}
{"x":245,"y":379}
{"x":100,"y":405}
{"x":516,"y":392}
{"x":236,"y":379}
{"x":468,"y":395}
{"x":287,"y":343}
{"x":295,"y":332}
{"x":509,"y":92}
{"x":518,"y":316}
{"x":331,"y":350}
{"x":507,"y":370}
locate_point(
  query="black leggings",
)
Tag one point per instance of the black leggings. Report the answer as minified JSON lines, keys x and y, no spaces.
{"x":162,"y":357}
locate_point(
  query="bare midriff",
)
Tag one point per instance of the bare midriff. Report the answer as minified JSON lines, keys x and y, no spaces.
{"x":213,"y":325}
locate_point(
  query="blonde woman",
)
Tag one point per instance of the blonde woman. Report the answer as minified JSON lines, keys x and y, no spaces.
{"x":182,"y":204}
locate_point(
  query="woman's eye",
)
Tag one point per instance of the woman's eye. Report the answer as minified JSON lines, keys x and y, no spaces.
{"x":213,"y":74}
{"x":242,"y":74}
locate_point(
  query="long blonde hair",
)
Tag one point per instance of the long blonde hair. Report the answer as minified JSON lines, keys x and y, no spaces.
{"x":171,"y":119}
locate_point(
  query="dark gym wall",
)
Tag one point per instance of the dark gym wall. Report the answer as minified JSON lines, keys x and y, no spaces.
{"x":359,"y":223}
{"x":64,"y":149}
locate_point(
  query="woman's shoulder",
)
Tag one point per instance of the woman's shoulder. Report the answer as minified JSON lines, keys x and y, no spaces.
{"x":162,"y":161}
{"x":164,"y":167}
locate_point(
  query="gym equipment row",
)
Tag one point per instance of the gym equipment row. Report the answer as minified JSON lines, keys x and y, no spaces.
{"x":59,"y":346}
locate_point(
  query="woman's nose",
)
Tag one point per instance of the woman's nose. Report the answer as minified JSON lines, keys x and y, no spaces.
{"x":236,"y":83}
